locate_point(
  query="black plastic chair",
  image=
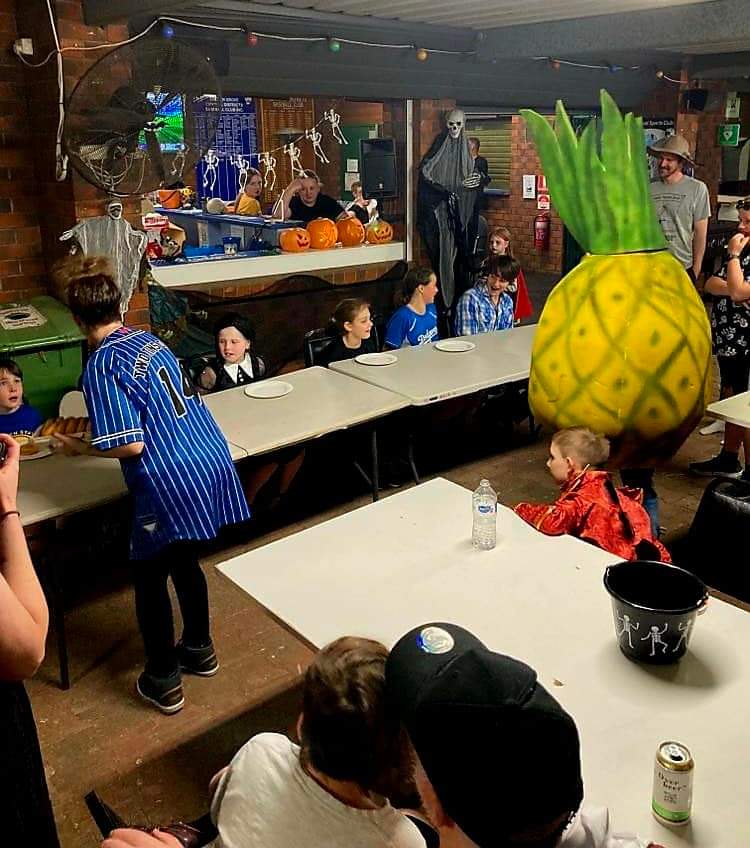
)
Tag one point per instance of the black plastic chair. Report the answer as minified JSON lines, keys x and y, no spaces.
{"x":316,"y":341}
{"x":723,"y":517}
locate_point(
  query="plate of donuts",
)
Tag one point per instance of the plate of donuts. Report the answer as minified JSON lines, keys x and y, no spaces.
{"x":31,"y":447}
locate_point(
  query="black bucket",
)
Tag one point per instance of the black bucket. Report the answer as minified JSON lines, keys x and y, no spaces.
{"x":654,"y":607}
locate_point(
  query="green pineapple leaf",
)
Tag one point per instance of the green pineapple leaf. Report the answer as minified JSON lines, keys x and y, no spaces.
{"x":603,"y":197}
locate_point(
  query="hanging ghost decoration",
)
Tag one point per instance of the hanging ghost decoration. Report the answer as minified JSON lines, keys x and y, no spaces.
{"x":447,"y":205}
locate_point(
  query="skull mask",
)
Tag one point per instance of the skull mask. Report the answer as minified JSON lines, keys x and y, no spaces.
{"x":455,"y":123}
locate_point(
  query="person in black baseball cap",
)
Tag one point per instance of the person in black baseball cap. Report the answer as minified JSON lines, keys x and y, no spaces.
{"x":500,"y":756}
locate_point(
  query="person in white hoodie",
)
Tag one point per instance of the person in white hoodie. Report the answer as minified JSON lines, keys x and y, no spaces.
{"x":497,"y":757}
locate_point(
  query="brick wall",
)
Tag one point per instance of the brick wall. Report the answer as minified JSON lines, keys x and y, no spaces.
{"x":518,"y":214}
{"x":21,"y":264}
{"x":43,"y":208}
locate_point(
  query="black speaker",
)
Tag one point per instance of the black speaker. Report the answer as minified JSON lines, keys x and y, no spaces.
{"x":694,"y":99}
{"x":377,"y":163}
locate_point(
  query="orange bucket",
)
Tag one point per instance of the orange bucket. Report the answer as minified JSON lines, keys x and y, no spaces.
{"x":169,"y":198}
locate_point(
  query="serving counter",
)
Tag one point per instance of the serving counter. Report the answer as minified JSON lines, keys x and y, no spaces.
{"x":206,"y":270}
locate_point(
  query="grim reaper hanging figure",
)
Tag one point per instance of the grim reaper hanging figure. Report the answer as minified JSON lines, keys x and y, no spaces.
{"x":448,"y":206}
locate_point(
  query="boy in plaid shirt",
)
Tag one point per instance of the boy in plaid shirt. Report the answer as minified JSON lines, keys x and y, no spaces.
{"x":487,"y":306}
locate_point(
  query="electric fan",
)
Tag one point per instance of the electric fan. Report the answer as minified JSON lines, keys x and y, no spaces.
{"x":141,"y":116}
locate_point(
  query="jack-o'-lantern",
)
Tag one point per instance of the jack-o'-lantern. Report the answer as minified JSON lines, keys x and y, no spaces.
{"x":379,"y":232}
{"x":294,"y":239}
{"x":351,"y":232}
{"x":323,"y":233}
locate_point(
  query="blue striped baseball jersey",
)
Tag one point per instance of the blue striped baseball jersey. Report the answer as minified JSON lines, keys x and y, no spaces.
{"x":183,"y":483}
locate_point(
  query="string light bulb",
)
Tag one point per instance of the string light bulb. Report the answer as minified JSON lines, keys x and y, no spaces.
{"x":422,"y":54}
{"x":167,"y":30}
{"x":334,"y":45}
{"x":555,"y":64}
{"x":252,"y":39}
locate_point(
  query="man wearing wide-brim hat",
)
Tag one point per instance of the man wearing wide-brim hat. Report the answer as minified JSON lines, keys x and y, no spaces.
{"x":681,"y":202}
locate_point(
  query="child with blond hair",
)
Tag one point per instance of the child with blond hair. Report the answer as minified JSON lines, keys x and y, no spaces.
{"x":590,"y":506}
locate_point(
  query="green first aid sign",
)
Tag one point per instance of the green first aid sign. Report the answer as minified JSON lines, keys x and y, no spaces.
{"x":728,"y":135}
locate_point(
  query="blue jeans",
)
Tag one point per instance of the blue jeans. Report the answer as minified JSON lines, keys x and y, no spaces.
{"x":643,"y":478}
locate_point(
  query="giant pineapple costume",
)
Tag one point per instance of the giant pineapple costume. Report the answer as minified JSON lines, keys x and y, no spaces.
{"x":623,"y":344}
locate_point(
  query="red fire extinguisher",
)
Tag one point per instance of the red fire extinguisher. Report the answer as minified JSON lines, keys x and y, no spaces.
{"x":541,"y":232}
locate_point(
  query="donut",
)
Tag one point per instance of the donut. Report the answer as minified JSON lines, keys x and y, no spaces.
{"x":70,"y":426}
{"x":47,"y":427}
{"x":29,"y":448}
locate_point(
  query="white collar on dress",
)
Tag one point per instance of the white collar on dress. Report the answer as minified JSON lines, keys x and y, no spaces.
{"x":233,"y":367}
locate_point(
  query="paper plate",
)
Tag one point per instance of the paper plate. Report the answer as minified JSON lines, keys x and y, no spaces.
{"x":376,"y":359}
{"x":40,"y":454}
{"x":454,"y":346}
{"x":269,"y":389}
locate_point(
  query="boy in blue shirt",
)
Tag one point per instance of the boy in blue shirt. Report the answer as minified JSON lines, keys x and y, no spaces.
{"x":415,"y":323}
{"x":487,"y":306}
{"x":16,"y":416}
{"x":145,"y":412}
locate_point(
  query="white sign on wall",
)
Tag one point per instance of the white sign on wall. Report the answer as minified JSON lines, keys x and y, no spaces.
{"x":733,"y":105}
{"x":529,"y":186}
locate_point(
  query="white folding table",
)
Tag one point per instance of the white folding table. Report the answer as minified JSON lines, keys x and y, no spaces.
{"x":57,"y":486}
{"x":735,"y":410}
{"x":321,"y":402}
{"x":426,"y":375}
{"x":542,"y":600}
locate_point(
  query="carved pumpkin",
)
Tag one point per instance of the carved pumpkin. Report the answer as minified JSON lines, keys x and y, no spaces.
{"x":323,"y":233}
{"x":294,"y":239}
{"x":351,"y":232}
{"x":379,"y":232}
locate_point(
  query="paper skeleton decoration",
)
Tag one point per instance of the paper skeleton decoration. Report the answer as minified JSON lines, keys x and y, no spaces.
{"x":268,"y":161}
{"x":210,"y":172}
{"x":335,"y":119}
{"x":315,"y":137}
{"x":243,"y":166}
{"x":293,"y":152}
{"x":448,"y":206}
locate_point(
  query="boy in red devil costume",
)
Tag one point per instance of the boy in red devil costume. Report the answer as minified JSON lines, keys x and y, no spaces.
{"x":590,"y":507}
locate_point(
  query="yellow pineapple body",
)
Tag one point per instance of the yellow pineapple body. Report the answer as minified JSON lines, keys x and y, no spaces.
{"x":624,"y":347}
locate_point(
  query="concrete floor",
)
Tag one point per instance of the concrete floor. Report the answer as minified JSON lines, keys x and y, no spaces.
{"x":154,"y":768}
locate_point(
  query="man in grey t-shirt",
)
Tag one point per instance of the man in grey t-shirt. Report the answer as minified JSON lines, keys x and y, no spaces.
{"x":681,"y":203}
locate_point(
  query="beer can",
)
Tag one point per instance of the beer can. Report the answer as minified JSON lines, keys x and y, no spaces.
{"x":673,"y":784}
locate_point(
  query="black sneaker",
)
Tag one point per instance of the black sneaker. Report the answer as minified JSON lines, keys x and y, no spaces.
{"x":723,"y":465}
{"x":200,"y":661}
{"x":165,"y":693}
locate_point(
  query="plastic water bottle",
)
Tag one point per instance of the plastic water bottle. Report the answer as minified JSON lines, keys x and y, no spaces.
{"x":484,"y":529}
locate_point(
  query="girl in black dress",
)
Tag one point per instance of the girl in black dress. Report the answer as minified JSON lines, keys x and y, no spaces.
{"x":236,"y":364}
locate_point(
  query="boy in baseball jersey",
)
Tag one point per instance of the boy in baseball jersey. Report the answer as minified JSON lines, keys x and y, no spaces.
{"x":177,"y":466}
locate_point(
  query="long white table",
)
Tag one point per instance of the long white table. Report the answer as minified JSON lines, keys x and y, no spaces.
{"x":55,"y":486}
{"x":427,"y":375}
{"x":542,"y":600}
{"x":320,"y":402}
{"x":59,"y":485}
{"x":735,"y":410}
